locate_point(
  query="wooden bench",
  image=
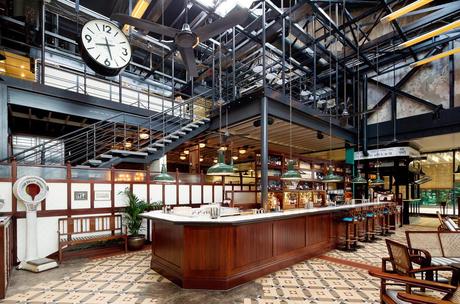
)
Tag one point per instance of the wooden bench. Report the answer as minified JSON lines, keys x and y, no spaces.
{"x":89,"y":229}
{"x":439,"y":247}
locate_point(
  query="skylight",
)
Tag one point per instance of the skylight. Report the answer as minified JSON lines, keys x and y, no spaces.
{"x":225,"y":6}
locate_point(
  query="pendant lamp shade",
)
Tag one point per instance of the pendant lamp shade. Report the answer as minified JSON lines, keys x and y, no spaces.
{"x":291,"y":174}
{"x":221,"y":168}
{"x":164,"y":177}
{"x":331,"y":177}
{"x":358,"y":179}
{"x":377,"y":181}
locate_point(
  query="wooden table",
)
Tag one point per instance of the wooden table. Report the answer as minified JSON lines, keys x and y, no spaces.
{"x":222,"y":253}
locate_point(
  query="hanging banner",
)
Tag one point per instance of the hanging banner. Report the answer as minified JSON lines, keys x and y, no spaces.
{"x":388,"y":152}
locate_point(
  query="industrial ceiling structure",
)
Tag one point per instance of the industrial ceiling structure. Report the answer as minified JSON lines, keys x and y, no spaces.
{"x":325,"y":47}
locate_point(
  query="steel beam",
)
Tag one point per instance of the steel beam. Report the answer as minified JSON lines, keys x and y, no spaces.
{"x":405,"y":94}
{"x":3,"y":121}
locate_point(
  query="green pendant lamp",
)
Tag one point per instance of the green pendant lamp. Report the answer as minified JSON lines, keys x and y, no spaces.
{"x":291,"y":174}
{"x":221,"y":168}
{"x":358,"y":179}
{"x":377,"y":181}
{"x":331,"y":177}
{"x":164,"y":177}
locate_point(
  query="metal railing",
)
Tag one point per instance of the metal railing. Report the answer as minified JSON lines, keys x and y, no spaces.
{"x":115,"y":133}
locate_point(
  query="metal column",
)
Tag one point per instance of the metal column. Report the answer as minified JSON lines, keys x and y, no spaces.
{"x":3,"y":121}
{"x":264,"y":124}
{"x":42,"y":66}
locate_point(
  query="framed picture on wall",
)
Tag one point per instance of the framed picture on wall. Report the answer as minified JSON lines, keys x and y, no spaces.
{"x":102,"y":195}
{"x":80,"y":195}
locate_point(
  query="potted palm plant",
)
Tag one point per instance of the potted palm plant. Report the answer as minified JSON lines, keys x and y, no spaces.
{"x":133,"y":221}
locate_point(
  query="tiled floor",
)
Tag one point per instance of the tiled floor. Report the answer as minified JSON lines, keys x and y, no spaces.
{"x":128,"y":279}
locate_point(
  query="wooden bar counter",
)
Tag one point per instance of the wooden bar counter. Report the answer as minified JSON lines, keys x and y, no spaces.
{"x":222,"y":253}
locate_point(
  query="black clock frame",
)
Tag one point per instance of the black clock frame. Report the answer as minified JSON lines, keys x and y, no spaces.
{"x":94,"y":64}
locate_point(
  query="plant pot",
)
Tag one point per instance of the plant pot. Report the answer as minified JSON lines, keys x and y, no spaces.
{"x":136,"y":242}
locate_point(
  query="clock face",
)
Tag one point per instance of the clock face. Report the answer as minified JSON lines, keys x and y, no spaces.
{"x":106,"y":44}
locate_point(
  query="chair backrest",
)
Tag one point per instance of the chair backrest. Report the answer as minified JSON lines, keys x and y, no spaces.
{"x":399,"y":257}
{"x":442,"y":225}
{"x":450,"y":242}
{"x":450,"y":224}
{"x":454,"y":297}
{"x":426,"y":240}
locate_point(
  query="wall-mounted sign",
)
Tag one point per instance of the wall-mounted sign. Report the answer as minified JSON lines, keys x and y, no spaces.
{"x":388,"y":152}
{"x":80,"y":195}
{"x":102,"y":195}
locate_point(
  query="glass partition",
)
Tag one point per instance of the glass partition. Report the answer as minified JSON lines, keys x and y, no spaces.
{"x":5,"y":171}
{"x":44,"y":172}
{"x":90,"y":174}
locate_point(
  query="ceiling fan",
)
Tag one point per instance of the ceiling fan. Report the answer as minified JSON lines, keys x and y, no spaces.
{"x":185,"y":39}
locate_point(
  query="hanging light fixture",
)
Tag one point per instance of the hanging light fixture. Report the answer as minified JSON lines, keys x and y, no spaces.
{"x":377,"y":181}
{"x":358,"y":179}
{"x":291,"y":174}
{"x":186,"y":151}
{"x":202,"y":145}
{"x":220,"y":168}
{"x":163,"y":177}
{"x":201,"y":159}
{"x":242,"y":150}
{"x":330,"y":176}
{"x":182,"y":157}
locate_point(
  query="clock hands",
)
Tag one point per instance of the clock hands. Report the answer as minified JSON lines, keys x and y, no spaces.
{"x":108,"y":46}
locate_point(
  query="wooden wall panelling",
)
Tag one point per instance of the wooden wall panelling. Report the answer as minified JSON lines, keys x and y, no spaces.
{"x":253,"y":243}
{"x":289,"y":235}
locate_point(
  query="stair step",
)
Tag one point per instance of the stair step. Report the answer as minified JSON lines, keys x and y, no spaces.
{"x":127,"y":152}
{"x":192,"y":125}
{"x":206,"y":119}
{"x":105,"y":156}
{"x":151,"y":150}
{"x":186,"y":129}
{"x":165,"y":140}
{"x":158,"y":145}
{"x":201,"y":122}
{"x":180,"y":133}
{"x":95,"y":162}
{"x":172,"y":136}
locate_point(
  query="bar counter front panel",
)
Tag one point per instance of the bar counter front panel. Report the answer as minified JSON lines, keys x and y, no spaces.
{"x":223,"y":254}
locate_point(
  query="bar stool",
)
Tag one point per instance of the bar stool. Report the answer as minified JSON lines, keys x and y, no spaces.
{"x":379,"y":221}
{"x":351,"y":221}
{"x":369,"y":219}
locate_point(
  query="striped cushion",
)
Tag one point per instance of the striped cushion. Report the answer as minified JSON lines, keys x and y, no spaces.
{"x":347,"y":219}
{"x":393,"y":294}
{"x":370,"y":214}
{"x":441,"y":261}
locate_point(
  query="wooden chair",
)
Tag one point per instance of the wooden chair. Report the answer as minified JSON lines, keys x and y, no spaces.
{"x":89,"y":229}
{"x":402,"y":259}
{"x":452,"y":293}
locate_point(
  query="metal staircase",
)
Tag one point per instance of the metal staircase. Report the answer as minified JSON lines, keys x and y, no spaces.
{"x":123,"y":138}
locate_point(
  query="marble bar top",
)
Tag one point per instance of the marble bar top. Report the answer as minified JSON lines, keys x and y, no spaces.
{"x":242,"y":219}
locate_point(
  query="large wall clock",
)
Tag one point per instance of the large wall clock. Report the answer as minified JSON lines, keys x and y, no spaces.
{"x":104,"y":47}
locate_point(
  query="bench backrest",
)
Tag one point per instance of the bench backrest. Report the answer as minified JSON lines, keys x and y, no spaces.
{"x":90,"y":224}
{"x":426,"y":240}
{"x":437,"y":243}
